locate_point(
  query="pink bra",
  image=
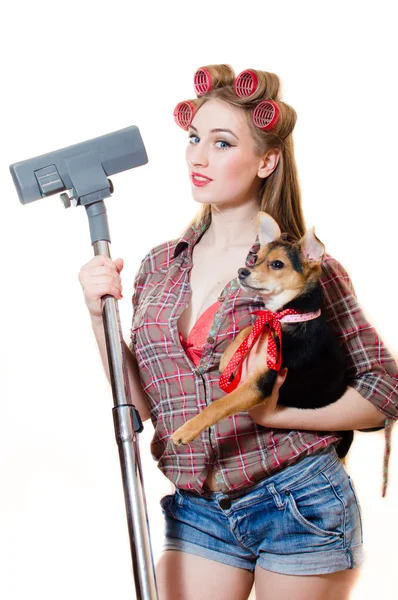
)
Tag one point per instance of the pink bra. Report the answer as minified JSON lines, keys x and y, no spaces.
{"x":197,"y":337}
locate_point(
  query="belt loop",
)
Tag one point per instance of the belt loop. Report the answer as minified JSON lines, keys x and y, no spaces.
{"x":275,"y":494}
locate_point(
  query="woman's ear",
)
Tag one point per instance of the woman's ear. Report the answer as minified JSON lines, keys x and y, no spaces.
{"x":268,"y":163}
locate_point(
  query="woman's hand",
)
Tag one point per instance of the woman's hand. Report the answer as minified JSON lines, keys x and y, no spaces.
{"x":99,"y":277}
{"x":264,"y":413}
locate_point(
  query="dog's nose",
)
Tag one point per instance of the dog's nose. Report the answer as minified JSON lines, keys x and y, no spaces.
{"x":243,"y":273}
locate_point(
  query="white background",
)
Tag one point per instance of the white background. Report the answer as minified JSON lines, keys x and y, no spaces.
{"x":77,"y":70}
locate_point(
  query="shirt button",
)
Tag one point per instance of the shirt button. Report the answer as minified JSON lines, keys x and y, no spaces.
{"x":225,"y":503}
{"x":210,"y":340}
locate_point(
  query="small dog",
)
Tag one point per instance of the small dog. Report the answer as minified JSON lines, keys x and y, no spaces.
{"x":287,"y":275}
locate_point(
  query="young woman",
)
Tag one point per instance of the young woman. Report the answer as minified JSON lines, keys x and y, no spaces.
{"x":262,"y":496}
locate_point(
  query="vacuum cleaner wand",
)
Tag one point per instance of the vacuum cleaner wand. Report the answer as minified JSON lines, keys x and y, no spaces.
{"x":83,"y":170}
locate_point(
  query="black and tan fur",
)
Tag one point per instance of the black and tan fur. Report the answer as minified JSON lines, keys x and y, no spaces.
{"x":287,"y":275}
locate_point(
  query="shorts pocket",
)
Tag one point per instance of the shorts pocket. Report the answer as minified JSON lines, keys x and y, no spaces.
{"x":358,"y":506}
{"x":166,"y":503}
{"x":171,"y":502}
{"x":317,"y":508}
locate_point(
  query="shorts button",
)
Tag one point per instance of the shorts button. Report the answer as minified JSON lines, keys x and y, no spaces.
{"x":225,"y":503}
{"x":287,"y":492}
{"x":210,"y":340}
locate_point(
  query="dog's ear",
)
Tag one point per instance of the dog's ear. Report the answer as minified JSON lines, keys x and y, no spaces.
{"x":312,"y":249}
{"x":267,"y":228}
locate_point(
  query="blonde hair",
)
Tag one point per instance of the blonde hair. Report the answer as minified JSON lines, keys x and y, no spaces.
{"x":280,"y":193}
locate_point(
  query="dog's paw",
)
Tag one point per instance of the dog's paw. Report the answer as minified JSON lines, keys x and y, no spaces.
{"x":184,"y":435}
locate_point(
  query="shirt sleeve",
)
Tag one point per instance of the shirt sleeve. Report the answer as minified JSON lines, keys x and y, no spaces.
{"x":370,"y":367}
{"x":135,"y":298}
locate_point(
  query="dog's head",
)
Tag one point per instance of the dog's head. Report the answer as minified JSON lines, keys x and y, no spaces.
{"x":283,"y":270}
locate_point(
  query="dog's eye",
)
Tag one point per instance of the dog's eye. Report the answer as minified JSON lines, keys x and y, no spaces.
{"x":277,"y":264}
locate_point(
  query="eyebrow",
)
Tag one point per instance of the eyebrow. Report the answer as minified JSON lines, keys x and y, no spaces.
{"x":218,"y":130}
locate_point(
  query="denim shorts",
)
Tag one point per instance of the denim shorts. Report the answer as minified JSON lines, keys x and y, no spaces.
{"x":303,"y":520}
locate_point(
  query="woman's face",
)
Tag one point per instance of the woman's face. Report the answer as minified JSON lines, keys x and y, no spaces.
{"x":223,"y":167}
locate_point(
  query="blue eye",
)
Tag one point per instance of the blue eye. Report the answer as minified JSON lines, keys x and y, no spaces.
{"x":193,"y":139}
{"x":223,"y":144}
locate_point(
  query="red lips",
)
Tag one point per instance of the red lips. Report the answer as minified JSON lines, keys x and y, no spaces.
{"x":200,"y":180}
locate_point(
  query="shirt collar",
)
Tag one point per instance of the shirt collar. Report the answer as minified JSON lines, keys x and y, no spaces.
{"x":191,"y":236}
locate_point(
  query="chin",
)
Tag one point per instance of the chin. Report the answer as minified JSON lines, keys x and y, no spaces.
{"x":202,"y":198}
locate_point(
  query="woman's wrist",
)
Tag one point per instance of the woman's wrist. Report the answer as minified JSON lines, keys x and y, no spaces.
{"x":97,"y":325}
{"x":96,"y":321}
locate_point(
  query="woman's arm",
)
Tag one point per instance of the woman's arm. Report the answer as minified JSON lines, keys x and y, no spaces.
{"x":371,"y":370}
{"x":138,"y":396}
{"x":99,"y":277}
{"x":351,"y":411}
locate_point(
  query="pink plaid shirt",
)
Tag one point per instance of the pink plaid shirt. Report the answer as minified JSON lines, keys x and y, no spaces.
{"x":239,"y":451}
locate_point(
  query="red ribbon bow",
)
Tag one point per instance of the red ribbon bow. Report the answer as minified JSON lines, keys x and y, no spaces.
{"x":266,"y":320}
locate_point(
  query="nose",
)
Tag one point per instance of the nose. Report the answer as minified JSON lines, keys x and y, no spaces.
{"x":197,"y":155}
{"x":243,"y":273}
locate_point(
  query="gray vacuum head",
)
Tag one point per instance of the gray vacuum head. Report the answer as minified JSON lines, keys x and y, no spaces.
{"x":82,"y":168}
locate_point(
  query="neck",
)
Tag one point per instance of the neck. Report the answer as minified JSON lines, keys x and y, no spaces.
{"x":232,"y":226}
{"x":310,"y":301}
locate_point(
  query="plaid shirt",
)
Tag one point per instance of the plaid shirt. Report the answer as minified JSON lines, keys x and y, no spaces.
{"x":239,"y":451}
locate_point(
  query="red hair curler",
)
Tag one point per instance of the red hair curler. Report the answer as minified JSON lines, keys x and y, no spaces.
{"x":183,"y":114}
{"x":202,"y":81}
{"x":246,"y":84}
{"x":265,"y":115}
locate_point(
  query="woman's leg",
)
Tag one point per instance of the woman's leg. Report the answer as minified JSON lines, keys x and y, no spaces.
{"x":333,"y":586}
{"x":184,"y":576}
